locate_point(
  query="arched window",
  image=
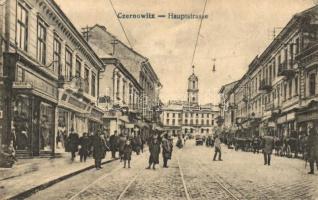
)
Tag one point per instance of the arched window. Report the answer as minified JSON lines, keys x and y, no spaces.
{"x":193,"y":84}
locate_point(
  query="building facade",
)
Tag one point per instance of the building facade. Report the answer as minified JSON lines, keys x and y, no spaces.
{"x":120,"y":96}
{"x":279,"y":90}
{"x":137,"y":65}
{"x":49,"y":77}
{"x":189,"y":117}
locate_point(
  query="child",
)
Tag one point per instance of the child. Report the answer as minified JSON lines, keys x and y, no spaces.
{"x":127,"y":153}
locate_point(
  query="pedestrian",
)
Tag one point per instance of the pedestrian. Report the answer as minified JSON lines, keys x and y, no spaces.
{"x":170,"y":138}
{"x":154,"y":149}
{"x":268,"y":145}
{"x":127,"y":153}
{"x":137,"y":144}
{"x":166,"y":150}
{"x":312,"y":146}
{"x":73,"y":142}
{"x":179,"y":142}
{"x":85,"y":146}
{"x":121,"y":144}
{"x":99,"y":149}
{"x":217,"y":148}
{"x":113,"y":140}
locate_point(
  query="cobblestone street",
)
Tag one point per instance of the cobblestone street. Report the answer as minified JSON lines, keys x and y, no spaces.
{"x":192,"y":175}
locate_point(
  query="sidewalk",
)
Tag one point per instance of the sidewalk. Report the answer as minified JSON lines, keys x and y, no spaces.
{"x":36,"y":173}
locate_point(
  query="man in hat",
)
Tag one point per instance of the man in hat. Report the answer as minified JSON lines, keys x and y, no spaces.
{"x":73,"y":142}
{"x":166,"y":150}
{"x":268,"y":145}
{"x":217,"y":147}
{"x":312,"y":146}
{"x":99,"y":149}
{"x":113,"y":140}
{"x":154,"y":149}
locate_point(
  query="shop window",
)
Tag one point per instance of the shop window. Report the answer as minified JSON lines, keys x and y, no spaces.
{"x":312,"y":84}
{"x":46,"y":127}
{"x":41,"y":42}
{"x":22,"y":27}
{"x":21,"y":122}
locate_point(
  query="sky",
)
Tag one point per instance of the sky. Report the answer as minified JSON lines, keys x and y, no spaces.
{"x":235,"y":32}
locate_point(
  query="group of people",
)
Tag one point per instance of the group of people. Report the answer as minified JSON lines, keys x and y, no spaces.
{"x":305,"y":144}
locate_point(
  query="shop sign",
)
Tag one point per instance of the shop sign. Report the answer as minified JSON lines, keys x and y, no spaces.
{"x":40,"y":84}
{"x":282,"y":119}
{"x":307,"y":116}
{"x":290,"y":116}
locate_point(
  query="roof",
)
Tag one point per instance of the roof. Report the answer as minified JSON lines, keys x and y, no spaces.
{"x":193,"y":77}
{"x":75,"y":31}
{"x":227,"y":87}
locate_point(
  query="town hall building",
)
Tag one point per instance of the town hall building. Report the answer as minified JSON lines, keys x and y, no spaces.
{"x":189,"y":116}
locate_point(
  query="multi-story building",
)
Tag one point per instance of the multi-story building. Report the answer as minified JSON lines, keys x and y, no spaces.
{"x":280,"y":86}
{"x":136,"y":64}
{"x":49,"y":77}
{"x":188,"y":116}
{"x":227,"y":104}
{"x":120,"y":95}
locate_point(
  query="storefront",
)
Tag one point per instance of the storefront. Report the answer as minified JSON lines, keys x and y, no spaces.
{"x":95,"y":121}
{"x":308,"y":114}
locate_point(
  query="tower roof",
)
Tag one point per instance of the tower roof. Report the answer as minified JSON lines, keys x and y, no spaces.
{"x":193,"y":77}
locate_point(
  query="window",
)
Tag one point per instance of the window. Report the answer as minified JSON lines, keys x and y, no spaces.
{"x":167,"y":114}
{"x":186,"y":122}
{"x":124,"y":90}
{"x":173,"y":121}
{"x":297,"y":46}
{"x":207,"y":122}
{"x":274,"y":68}
{"x":191,"y":114}
{"x":167,"y":121}
{"x":290,"y":88}
{"x":186,"y":115}
{"x":173,"y":115}
{"x":191,"y":121}
{"x":68,"y":64}
{"x":193,"y":84}
{"x":212,"y":122}
{"x":78,"y":67}
{"x":296,"y":86}
{"x":22,"y":28}
{"x":57,"y":56}
{"x":93,"y":89}
{"x":41,"y":42}
{"x":86,"y":80}
{"x":202,"y":121}
{"x":197,"y":121}
{"x":312,"y":84}
{"x":202,"y":115}
{"x":285,"y":91}
{"x":202,"y":130}
{"x":207,"y":115}
{"x":179,"y":115}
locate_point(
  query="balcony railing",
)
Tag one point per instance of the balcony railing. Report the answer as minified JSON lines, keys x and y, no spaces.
{"x":265,"y":86}
{"x":75,"y":83}
{"x":284,"y":70}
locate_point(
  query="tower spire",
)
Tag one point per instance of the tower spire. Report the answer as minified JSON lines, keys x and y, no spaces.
{"x":192,"y":69}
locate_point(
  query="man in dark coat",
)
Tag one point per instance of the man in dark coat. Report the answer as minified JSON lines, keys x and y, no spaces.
{"x":154,"y":149}
{"x":85,"y":147}
{"x":73,"y":142}
{"x":312,"y":146}
{"x":121,"y":144}
{"x":113,"y":140}
{"x":268,"y":145}
{"x":166,"y":150}
{"x":99,"y":149}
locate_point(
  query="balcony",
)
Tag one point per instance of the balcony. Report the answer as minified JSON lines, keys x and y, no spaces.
{"x":284,"y":70}
{"x":265,"y":86}
{"x":75,"y":84}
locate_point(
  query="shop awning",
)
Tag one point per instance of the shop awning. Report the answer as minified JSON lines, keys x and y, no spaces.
{"x":124,"y":119}
{"x":142,"y":124}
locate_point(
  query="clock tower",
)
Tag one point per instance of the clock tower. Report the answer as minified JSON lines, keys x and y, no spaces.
{"x":193,"y":89}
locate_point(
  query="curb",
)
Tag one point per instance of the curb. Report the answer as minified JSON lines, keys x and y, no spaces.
{"x":43,"y":186}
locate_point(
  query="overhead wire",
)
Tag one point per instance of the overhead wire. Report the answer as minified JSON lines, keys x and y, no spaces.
{"x":198,"y":34}
{"x":121,"y":25}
